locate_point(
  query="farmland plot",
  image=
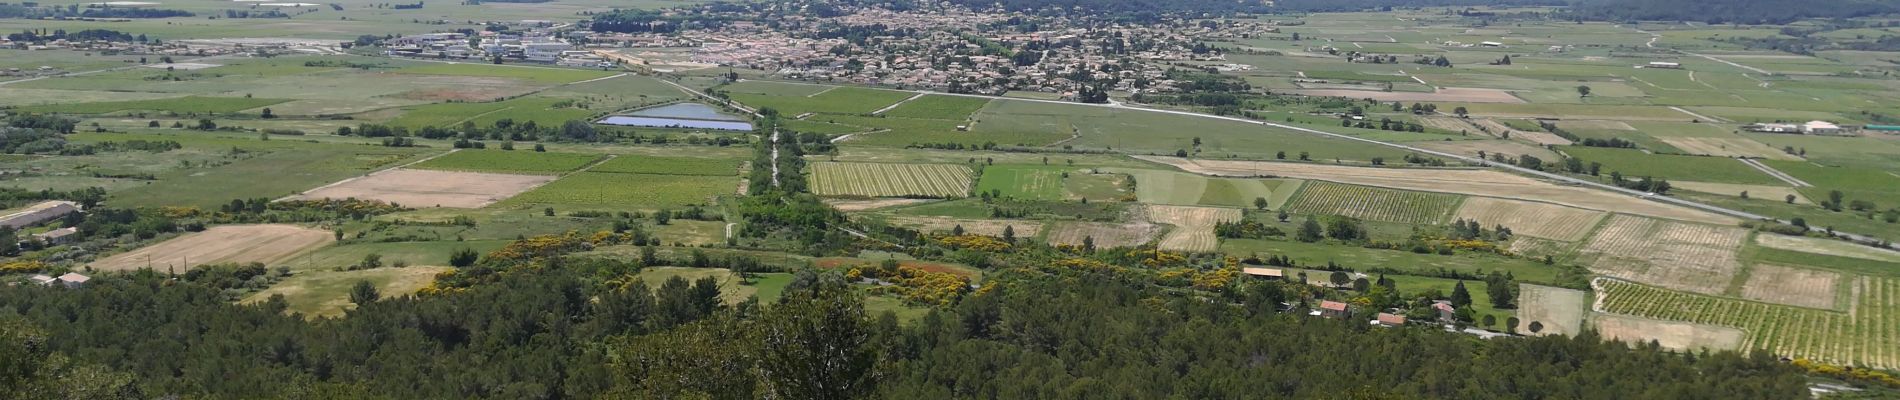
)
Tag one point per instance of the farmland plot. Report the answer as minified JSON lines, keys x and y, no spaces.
{"x":423,"y":188}
{"x":1370,"y":203}
{"x":1105,"y":235}
{"x":1826,"y":246}
{"x":985,"y":227}
{"x":1194,"y":226}
{"x":1727,"y":147}
{"x":220,"y":244}
{"x":1558,"y":311}
{"x":508,"y":161}
{"x":1791,"y":286}
{"x":1548,"y":221}
{"x":1680,"y":256}
{"x":890,"y":180}
{"x":1863,"y":336}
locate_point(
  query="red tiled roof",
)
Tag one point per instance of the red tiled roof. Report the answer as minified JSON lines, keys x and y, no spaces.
{"x":1332,"y":305}
{"x":1391,"y":319}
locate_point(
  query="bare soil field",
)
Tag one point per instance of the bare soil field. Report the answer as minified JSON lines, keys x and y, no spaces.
{"x":1452,"y":95}
{"x":985,"y":227}
{"x":850,"y":205}
{"x":1538,"y":248}
{"x":1775,"y":193}
{"x":1793,"y":286}
{"x":1193,"y":226}
{"x":1826,"y":246}
{"x":1509,"y":148}
{"x":1105,"y":235}
{"x":1560,"y":311}
{"x":1541,"y":138}
{"x":1727,"y":147}
{"x":1670,"y":334}
{"x":221,"y":244}
{"x":428,"y":188}
{"x":1478,"y":182}
{"x":1528,"y":218}
{"x":1680,"y":256}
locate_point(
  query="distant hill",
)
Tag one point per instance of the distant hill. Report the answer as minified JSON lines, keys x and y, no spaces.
{"x":1360,"y":5}
{"x":1729,"y":11}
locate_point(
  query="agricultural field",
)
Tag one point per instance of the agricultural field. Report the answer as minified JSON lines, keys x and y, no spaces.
{"x":1765,"y":192}
{"x":985,"y":227}
{"x":1556,"y":311}
{"x":1827,"y":247}
{"x":325,"y":294}
{"x":1027,"y":182}
{"x":1456,"y":181}
{"x":1104,"y":235}
{"x":1674,"y":335}
{"x":1792,"y":286}
{"x":218,"y":245}
{"x":182,"y":105}
{"x":1540,"y":220}
{"x":1371,"y":203}
{"x":543,"y":75}
{"x":1193,"y":226}
{"x":890,"y":180}
{"x":945,"y":107}
{"x":637,"y":164}
{"x":1635,"y":164}
{"x":508,"y":161}
{"x":426,"y":188}
{"x":1855,"y":183}
{"x":1676,"y":255}
{"x":268,"y":169}
{"x":795,"y":99}
{"x":1727,"y":147}
{"x":618,"y":191}
{"x":1863,"y":337}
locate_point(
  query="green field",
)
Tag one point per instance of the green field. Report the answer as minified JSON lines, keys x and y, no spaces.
{"x":1634,"y":164}
{"x":618,"y":191}
{"x":182,"y":105}
{"x":1880,"y":187}
{"x":546,"y":75}
{"x":835,"y":100}
{"x":939,"y":106}
{"x":267,"y":169}
{"x":634,"y":164}
{"x":1027,"y":182}
{"x":508,"y":161}
{"x":767,"y":287}
{"x":541,"y":111}
{"x":1365,"y":259}
{"x":1864,"y":338}
{"x":1371,"y":203}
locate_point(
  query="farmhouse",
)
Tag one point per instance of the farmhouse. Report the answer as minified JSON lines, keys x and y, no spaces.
{"x":1820,"y":128}
{"x":1264,"y":273}
{"x":1445,"y":311}
{"x":1389,"y":320}
{"x":73,"y":279}
{"x":42,"y":279}
{"x":38,"y":213}
{"x":57,"y":236}
{"x":1331,"y":309}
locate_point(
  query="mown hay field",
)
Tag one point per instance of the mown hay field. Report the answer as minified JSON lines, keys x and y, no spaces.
{"x":1863,"y":337}
{"x":220,"y":244}
{"x":617,"y":191}
{"x":1557,"y":311}
{"x":425,"y":188}
{"x":1104,"y":235}
{"x":1371,"y":203}
{"x":890,"y":180}
{"x":1193,"y":226}
{"x":633,"y":164}
{"x":1542,"y":220}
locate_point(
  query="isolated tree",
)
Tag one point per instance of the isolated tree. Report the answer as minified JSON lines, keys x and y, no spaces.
{"x":662,"y":217}
{"x":1583,"y":91}
{"x":1283,"y":217}
{"x":1260,"y":203}
{"x":1460,"y":297}
{"x":1088,"y":243}
{"x":1009,"y":233}
{"x":1790,"y":199}
{"x":539,"y":148}
{"x":1361,"y":285}
{"x":1744,"y":194}
{"x":1537,"y":327}
{"x":1339,"y":278}
{"x":1499,"y":287}
{"x":1510,"y":324}
{"x":956,"y":230}
{"x":463,"y":258}
{"x":1310,"y":231}
{"x":1461,"y":111}
{"x":267,"y":114}
{"x":1489,"y":320}
{"x":364,"y":293}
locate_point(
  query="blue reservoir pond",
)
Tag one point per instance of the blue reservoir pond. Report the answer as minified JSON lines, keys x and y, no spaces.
{"x":682,"y":115}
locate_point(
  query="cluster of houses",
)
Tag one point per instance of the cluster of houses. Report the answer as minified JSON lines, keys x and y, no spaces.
{"x":1445,"y":311}
{"x":541,"y":45}
{"x":1809,"y":128}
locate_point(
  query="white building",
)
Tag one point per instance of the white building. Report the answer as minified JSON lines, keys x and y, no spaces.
{"x":1820,"y":128}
